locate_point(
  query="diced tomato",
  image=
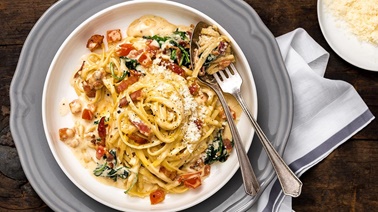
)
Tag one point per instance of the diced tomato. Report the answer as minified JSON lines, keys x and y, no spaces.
{"x":157,"y":196}
{"x":125,"y":49}
{"x":100,"y":152}
{"x":87,"y":114}
{"x":145,"y":60}
{"x":124,"y":84}
{"x":151,"y":48}
{"x":191,"y":180}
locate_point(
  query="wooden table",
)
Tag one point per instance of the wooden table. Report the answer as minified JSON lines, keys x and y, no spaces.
{"x":347,"y":180}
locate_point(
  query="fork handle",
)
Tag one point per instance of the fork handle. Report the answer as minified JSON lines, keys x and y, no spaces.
{"x":290,"y":183}
{"x":250,"y":182}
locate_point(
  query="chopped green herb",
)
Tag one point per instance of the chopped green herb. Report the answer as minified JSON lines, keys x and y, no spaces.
{"x":181,"y":33}
{"x":124,"y":74}
{"x":216,"y":151}
{"x":159,"y":39}
{"x":173,"y":54}
{"x":131,"y":64}
{"x":106,"y":170}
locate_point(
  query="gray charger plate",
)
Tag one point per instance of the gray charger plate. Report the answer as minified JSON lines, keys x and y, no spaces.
{"x":238,"y":18}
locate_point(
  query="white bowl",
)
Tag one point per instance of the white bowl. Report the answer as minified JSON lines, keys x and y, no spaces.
{"x":57,"y":87}
{"x":347,"y":45}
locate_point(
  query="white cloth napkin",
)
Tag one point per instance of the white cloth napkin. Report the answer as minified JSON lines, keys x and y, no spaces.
{"x":326,"y":113}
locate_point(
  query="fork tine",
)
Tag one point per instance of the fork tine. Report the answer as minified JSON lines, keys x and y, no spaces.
{"x":235,"y":73}
{"x":230,"y":70}
{"x":223,"y":75}
{"x":218,"y":78}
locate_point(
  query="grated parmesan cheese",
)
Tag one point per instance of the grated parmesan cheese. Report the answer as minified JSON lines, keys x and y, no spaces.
{"x":361,"y":17}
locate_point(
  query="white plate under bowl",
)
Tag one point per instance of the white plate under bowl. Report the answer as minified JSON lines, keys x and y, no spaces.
{"x":57,"y":87}
{"x":361,"y":54}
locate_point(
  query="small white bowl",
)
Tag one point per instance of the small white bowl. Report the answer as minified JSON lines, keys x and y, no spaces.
{"x":356,"y":52}
{"x":57,"y":88}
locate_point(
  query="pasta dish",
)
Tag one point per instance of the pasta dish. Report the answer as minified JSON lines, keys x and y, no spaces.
{"x":141,"y":120}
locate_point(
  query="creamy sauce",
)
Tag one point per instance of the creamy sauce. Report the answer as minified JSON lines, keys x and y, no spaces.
{"x":64,"y":107}
{"x":150,"y":25}
{"x":234,"y":105}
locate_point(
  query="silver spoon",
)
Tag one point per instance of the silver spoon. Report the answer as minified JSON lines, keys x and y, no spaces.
{"x":250,"y":182}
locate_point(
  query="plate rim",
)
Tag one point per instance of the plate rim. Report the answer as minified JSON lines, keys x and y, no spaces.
{"x":47,"y":84}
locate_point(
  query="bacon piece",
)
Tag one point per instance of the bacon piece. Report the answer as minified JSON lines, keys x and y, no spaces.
{"x":77,"y":74}
{"x":124,"y":84}
{"x":90,"y":92}
{"x":198,"y":123}
{"x":142,"y":128}
{"x":75,"y":106}
{"x":137,"y":95}
{"x":66,"y":133}
{"x":194,"y":88}
{"x":114,"y":35}
{"x":123,"y":102}
{"x":95,"y":42}
{"x":223,"y":114}
{"x":170,"y":174}
{"x":206,"y":170}
{"x":227,"y":144}
{"x":138,"y":138}
{"x":101,"y":129}
{"x":93,"y":84}
{"x":95,"y":81}
{"x":173,"y":67}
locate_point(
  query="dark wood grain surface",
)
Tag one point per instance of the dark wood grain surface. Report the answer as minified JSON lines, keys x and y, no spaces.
{"x":347,"y":180}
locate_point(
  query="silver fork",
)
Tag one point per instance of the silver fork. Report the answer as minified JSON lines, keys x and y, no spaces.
{"x":230,"y":82}
{"x":250,"y":182}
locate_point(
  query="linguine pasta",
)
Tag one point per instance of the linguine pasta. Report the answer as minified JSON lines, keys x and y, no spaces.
{"x":141,"y":120}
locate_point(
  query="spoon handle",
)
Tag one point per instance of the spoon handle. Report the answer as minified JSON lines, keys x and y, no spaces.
{"x":290,"y":183}
{"x":250,"y":182}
